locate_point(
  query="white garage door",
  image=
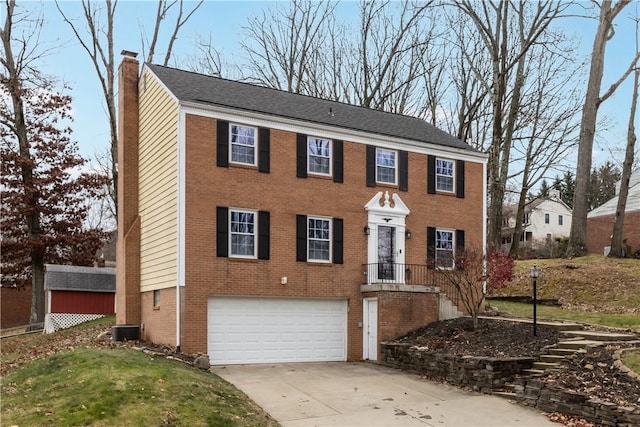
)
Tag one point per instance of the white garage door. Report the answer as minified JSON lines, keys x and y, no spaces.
{"x":266,"y":330}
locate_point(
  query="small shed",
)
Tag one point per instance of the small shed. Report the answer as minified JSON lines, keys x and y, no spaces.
{"x":77,"y":294}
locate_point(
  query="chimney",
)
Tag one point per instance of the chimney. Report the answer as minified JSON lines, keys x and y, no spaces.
{"x":128,"y":244}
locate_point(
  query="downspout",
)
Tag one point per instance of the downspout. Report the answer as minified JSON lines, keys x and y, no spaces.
{"x":484,"y":223}
{"x":180,"y":202}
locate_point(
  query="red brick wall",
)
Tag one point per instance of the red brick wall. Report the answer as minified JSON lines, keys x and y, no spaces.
{"x":403,"y":312}
{"x":284,"y":195}
{"x":599,"y":230}
{"x":128,"y":243}
{"x":15,"y":307}
{"x":159,"y":322}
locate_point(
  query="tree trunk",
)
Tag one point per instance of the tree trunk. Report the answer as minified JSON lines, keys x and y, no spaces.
{"x":578,"y":236}
{"x":37,"y":289}
{"x":616,"y":240}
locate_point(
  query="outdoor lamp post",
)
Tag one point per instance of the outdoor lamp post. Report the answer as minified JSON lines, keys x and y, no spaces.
{"x":534,"y":276}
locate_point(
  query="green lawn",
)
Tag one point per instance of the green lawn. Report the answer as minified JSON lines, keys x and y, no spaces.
{"x":631,"y":359}
{"x":625,"y":321}
{"x":124,"y":387}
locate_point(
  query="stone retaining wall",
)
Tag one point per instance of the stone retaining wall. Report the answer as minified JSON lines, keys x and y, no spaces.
{"x":485,"y":374}
{"x":489,"y":375}
{"x":536,"y":393}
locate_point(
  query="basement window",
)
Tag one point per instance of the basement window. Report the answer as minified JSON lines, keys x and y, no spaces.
{"x":156,"y":299}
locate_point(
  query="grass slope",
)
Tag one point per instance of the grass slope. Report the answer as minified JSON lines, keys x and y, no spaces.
{"x":591,"y":283}
{"x":72,"y":377}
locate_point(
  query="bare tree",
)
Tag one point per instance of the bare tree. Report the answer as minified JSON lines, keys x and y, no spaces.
{"x":616,"y":238}
{"x":98,"y":43}
{"x":207,"y":59}
{"x":508,"y":31}
{"x":391,"y":48}
{"x":97,"y":40}
{"x":43,"y":205}
{"x":604,"y":32}
{"x":548,"y":122}
{"x":164,"y":7}
{"x":282,"y":42}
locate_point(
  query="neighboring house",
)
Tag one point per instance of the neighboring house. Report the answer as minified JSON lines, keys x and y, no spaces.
{"x":600,"y":220}
{"x":259,"y":226}
{"x":77,"y":294}
{"x":544,"y":220}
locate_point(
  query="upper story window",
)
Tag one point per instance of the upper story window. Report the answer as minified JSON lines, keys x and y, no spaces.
{"x":319,"y":156}
{"x":385,"y":166}
{"x":444,"y":175}
{"x":546,"y":218}
{"x":560,"y":219}
{"x":243,"y":144}
{"x":242,"y":230}
{"x":319,"y":239}
{"x":525,"y":218}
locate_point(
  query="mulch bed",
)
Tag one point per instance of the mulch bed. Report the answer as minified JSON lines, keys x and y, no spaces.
{"x":493,"y":338}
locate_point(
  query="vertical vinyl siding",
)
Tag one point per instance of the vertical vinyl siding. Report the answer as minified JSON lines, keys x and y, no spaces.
{"x":158,"y":186}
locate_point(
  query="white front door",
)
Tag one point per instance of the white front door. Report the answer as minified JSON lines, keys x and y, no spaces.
{"x":370,"y":327}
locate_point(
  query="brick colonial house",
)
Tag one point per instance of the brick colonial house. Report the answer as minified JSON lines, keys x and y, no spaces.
{"x":261,"y":226}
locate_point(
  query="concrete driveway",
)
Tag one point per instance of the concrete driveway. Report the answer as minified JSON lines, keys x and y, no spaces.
{"x":362,"y":394}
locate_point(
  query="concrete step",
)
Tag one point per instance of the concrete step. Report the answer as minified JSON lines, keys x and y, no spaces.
{"x":534,"y":372}
{"x":552,"y":358}
{"x":578,"y":344}
{"x":505,"y":394}
{"x":546,"y":366}
{"x":564,"y":351}
{"x":600,"y":335}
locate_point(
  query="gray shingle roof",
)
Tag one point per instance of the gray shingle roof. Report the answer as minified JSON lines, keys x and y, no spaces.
{"x":199,"y":88}
{"x":73,"y":278}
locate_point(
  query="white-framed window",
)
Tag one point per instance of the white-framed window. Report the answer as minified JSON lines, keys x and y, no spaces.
{"x":318,"y":156}
{"x":243,"y":144}
{"x":525,"y":218}
{"x":242,"y":232}
{"x":386,"y":162}
{"x":445,"y":173}
{"x":444,"y":248}
{"x":560,"y":220}
{"x":156,"y":298}
{"x":319,"y":239}
{"x":546,"y":218}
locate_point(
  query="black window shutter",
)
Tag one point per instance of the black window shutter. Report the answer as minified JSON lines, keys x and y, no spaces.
{"x":301,"y":238}
{"x":403,"y":164}
{"x":459,"y":248}
{"x":371,"y":166}
{"x":222,"y":231}
{"x":431,"y":174}
{"x":338,"y":225}
{"x":338,"y":161}
{"x":431,"y":247}
{"x":264,"y":147}
{"x":222,"y":142}
{"x":264,"y":225}
{"x":460,"y":239}
{"x":301,"y":155}
{"x":460,"y":179}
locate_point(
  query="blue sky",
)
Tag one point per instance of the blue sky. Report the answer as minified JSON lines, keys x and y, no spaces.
{"x":224,"y":19}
